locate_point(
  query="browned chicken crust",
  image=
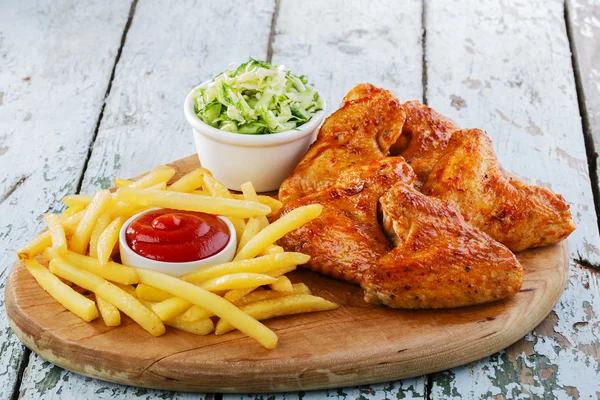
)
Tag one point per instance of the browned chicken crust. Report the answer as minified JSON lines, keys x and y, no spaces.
{"x":434,"y":244}
{"x":519,"y":215}
{"x":364,"y":128}
{"x":347,"y":239}
{"x":425,"y":136}
{"x":439,"y":261}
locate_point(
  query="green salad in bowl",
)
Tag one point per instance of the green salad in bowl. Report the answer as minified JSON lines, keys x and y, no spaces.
{"x":257,"y":98}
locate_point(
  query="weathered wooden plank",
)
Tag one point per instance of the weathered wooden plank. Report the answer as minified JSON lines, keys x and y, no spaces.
{"x":350,"y":42}
{"x":583,"y":19}
{"x":506,"y":67}
{"x":55,"y":65}
{"x":339,"y":44}
{"x":170,"y":48}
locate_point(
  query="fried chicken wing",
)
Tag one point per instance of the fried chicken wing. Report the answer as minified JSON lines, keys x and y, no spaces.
{"x":434,"y":260}
{"x":519,"y":215}
{"x":347,"y":239}
{"x":364,"y":128}
{"x":439,"y":261}
{"x":425,"y":136}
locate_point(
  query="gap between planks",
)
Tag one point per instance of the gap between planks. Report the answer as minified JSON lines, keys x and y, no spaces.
{"x":592,"y":155}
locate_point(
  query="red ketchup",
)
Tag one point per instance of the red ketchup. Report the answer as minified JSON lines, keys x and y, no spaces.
{"x":177,"y":236}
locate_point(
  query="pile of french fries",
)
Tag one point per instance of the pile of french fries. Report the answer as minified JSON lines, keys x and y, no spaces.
{"x":78,"y":248}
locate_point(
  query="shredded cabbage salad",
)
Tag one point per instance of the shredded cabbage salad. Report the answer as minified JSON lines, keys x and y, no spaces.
{"x":257,"y":98}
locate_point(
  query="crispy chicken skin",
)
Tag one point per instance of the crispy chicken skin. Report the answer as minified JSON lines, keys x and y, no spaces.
{"x":425,"y":136}
{"x":519,"y":215}
{"x":439,"y":260}
{"x":347,"y":239}
{"x":364,"y":128}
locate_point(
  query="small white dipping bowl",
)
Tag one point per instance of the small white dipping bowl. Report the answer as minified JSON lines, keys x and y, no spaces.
{"x":235,"y":158}
{"x":132,"y":259}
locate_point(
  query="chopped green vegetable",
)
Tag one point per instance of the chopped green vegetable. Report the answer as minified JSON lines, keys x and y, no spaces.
{"x":257,"y":98}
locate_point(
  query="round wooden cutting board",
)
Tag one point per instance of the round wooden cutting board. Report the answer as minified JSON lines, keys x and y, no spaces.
{"x":356,"y":344}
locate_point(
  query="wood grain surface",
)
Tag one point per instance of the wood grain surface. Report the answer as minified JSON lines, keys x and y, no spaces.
{"x":356,"y":344}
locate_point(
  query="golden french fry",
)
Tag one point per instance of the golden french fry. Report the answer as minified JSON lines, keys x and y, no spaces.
{"x":237,"y":281}
{"x":78,"y":304}
{"x":101,"y":224}
{"x":212,"y":303}
{"x":83,"y":232}
{"x":129,"y":289}
{"x":192,"y":202}
{"x":70,"y":211}
{"x":200,"y":326}
{"x":283,"y":285}
{"x":159,"y":186}
{"x":57,"y":233}
{"x":37,"y":245}
{"x":272,"y":249}
{"x":251,"y":229}
{"x":149,"y":293}
{"x":170,"y":308}
{"x":250,"y":194}
{"x":73,"y":200}
{"x":206,"y":193}
{"x":110,"y":314}
{"x":261,"y":295}
{"x":272,"y":233}
{"x":162,"y":173}
{"x":273,"y":203}
{"x":121,"y":182}
{"x":112,"y":271}
{"x":259,"y":265}
{"x":111,"y":293}
{"x":189,"y":181}
{"x":215,"y":187}
{"x":235,"y":295}
{"x":108,"y":239}
{"x":286,"y":305}
{"x":195,"y":313}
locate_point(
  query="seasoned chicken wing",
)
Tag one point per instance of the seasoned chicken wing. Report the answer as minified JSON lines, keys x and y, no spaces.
{"x":514,"y":213}
{"x":347,"y":239}
{"x":425,"y":136}
{"x":369,"y":121}
{"x":439,"y":261}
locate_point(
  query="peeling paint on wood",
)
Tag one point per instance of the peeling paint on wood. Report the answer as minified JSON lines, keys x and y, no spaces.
{"x":55,"y":64}
{"x":529,"y":107}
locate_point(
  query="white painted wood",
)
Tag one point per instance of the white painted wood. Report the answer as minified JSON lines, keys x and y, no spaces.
{"x":55,"y":64}
{"x":339,"y":44}
{"x":584,"y":18}
{"x":505,"y":66}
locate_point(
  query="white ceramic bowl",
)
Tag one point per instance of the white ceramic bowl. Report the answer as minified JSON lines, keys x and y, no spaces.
{"x":265,"y":160}
{"x":132,"y":259}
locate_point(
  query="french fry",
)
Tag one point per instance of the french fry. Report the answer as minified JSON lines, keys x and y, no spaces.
{"x":37,"y":245}
{"x":259,"y":265}
{"x":110,"y":314}
{"x":159,"y":186}
{"x":195,"y":313}
{"x":251,"y":229}
{"x":101,"y":224}
{"x":282,"y":284}
{"x":129,"y":289}
{"x":162,"y":173}
{"x":189,"y":181}
{"x":237,"y":281}
{"x":78,"y":304}
{"x":192,"y":202}
{"x":70,"y":211}
{"x":81,"y":236}
{"x":200,"y":326}
{"x":170,"y":308}
{"x":286,"y":305}
{"x":57,"y":233}
{"x":212,"y":303}
{"x":112,"y":271}
{"x":217,"y":189}
{"x":261,"y":295}
{"x":235,"y":295}
{"x":108,"y":239}
{"x":273,"y":203}
{"x":111,"y":293}
{"x":272,"y":233}
{"x":73,"y":200}
{"x":121,"y":182}
{"x":206,"y":193}
{"x":272,"y":249}
{"x":250,"y":194}
{"x":149,"y":293}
